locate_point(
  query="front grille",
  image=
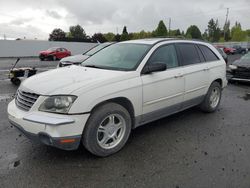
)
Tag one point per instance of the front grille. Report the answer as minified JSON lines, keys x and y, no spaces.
{"x":25,"y":100}
{"x":242,"y":72}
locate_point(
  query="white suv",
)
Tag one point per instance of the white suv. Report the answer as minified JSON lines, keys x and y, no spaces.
{"x":118,"y":89}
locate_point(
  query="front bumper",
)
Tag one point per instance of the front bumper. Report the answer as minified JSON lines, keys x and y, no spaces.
{"x":239,"y":76}
{"x":60,"y":131}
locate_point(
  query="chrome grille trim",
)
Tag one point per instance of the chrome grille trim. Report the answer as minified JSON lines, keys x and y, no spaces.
{"x":25,"y":100}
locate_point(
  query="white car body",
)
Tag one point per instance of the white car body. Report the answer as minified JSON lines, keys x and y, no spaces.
{"x":186,"y":87}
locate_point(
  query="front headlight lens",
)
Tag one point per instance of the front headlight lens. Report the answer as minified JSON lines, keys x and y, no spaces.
{"x":57,"y":104}
{"x":233,"y":67}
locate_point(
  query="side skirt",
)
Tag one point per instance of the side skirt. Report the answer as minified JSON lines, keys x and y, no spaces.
{"x":170,"y":110}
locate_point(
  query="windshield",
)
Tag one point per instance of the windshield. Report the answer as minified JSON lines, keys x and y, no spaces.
{"x":52,"y":49}
{"x":246,"y":57}
{"x":121,"y":56}
{"x":96,"y":49}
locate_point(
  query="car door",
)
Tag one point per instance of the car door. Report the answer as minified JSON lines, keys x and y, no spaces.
{"x":163,"y":91}
{"x":196,"y":73}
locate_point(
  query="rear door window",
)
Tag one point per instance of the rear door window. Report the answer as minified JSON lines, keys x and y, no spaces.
{"x":189,"y":54}
{"x":208,"y":53}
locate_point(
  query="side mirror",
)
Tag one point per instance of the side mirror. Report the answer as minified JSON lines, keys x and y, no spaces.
{"x":154,"y":67}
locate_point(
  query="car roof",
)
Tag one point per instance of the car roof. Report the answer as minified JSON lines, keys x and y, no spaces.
{"x":153,"y":41}
{"x":148,"y":40}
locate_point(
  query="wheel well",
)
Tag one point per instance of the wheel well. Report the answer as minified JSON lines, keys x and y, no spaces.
{"x":126,"y":103}
{"x":219,"y":81}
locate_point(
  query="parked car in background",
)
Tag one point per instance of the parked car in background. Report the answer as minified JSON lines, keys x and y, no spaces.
{"x":240,"y":69}
{"x":223,"y":54}
{"x":122,"y":87}
{"x":227,"y":50}
{"x":54,"y":53}
{"x":78,"y":59}
{"x":240,"y":49}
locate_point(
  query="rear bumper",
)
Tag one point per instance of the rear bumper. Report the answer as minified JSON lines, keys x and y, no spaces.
{"x":60,"y":131}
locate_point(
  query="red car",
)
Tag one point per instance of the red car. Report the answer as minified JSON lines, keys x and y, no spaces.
{"x":228,"y":50}
{"x":54,"y":53}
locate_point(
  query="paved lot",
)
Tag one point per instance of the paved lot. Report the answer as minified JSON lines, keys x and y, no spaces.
{"x":189,"y":149}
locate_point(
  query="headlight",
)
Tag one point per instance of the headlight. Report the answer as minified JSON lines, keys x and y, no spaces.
{"x":233,"y":67}
{"x":57,"y":104}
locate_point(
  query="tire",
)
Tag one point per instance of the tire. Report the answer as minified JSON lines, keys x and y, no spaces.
{"x":15,"y":81}
{"x":42,"y":59}
{"x":101,"y":135}
{"x":210,"y":105}
{"x":54,"y":58}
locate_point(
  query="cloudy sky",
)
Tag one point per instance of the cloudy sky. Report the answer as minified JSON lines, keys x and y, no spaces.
{"x":36,"y":19}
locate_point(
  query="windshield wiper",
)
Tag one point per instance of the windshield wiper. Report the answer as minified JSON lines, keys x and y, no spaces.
{"x":93,"y":66}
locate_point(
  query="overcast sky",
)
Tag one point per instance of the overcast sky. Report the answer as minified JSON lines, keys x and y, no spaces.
{"x":36,"y":19}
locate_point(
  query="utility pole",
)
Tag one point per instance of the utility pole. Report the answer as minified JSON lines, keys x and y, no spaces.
{"x":226,"y":23}
{"x":4,"y":37}
{"x":169,"y":26}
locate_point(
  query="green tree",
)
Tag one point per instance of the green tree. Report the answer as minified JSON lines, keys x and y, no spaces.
{"x":205,"y":35}
{"x":117,"y":38}
{"x":237,"y":33}
{"x":176,"y":32}
{"x":99,"y":37}
{"x":248,"y":32}
{"x":77,"y":32}
{"x":194,"y":32}
{"x":214,"y":32}
{"x":124,"y":35}
{"x":161,"y":30}
{"x":57,"y":35}
{"x":109,"y":36}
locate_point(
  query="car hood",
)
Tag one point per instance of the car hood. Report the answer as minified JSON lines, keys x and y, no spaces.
{"x":75,"y":59}
{"x":242,"y":63}
{"x":69,"y":79}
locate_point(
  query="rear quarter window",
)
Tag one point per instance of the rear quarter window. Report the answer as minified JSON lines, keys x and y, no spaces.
{"x":208,"y":53}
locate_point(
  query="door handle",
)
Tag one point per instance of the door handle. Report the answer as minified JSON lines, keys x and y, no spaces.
{"x":179,"y":76}
{"x":206,"y":69}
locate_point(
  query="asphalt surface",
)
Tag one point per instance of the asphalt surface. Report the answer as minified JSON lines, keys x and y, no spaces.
{"x":189,"y":149}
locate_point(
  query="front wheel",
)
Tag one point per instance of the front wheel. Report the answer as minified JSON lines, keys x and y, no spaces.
{"x":107,"y":130}
{"x":212,"y":99}
{"x":53,"y":58}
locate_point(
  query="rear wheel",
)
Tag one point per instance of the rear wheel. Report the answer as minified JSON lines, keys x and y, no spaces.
{"x":107,"y":130}
{"x":212,"y":98}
